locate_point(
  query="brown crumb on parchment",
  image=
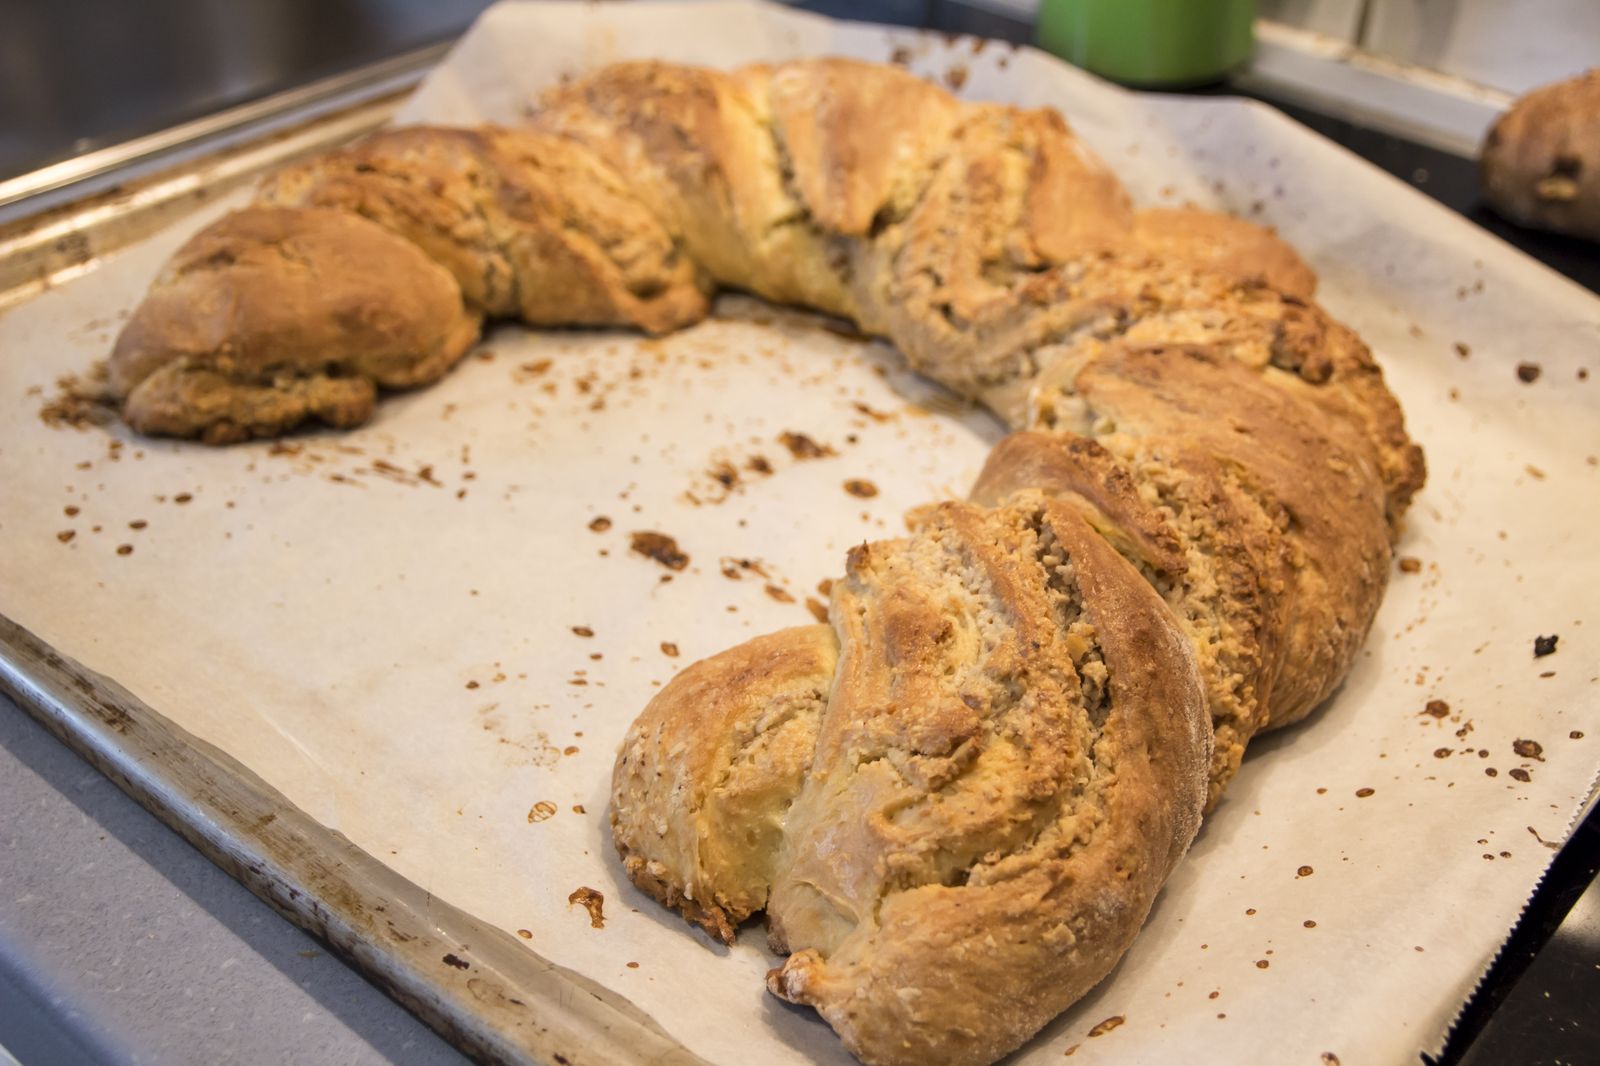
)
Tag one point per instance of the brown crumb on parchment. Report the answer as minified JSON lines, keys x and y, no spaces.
{"x":1528,"y":373}
{"x":1529,"y":749}
{"x":803,"y":447}
{"x":780,"y":594}
{"x":733,"y":568}
{"x":818,"y":609}
{"x":669,"y":649}
{"x":583,"y":631}
{"x":600,"y":524}
{"x":1543,"y":646}
{"x":80,"y":402}
{"x":1521,"y":775}
{"x":1363,"y":793}
{"x":541,"y":811}
{"x":1106,"y":1026}
{"x":1329,"y":1059}
{"x":525,"y":934}
{"x":1436,"y":709}
{"x":660,"y":547}
{"x":456,"y":962}
{"x":861,"y":488}
{"x":1410,"y":564}
{"x":875,"y":415}
{"x":591,"y":901}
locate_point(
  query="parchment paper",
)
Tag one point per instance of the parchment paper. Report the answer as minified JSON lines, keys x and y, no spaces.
{"x":388,"y":625}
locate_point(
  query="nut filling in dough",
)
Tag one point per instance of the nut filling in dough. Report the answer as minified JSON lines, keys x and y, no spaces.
{"x":956,"y":802}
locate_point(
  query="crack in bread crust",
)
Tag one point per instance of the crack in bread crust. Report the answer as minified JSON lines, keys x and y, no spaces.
{"x":956,"y":802}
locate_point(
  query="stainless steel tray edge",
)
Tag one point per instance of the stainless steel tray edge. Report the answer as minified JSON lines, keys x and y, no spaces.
{"x":45,"y":248}
{"x":477,"y":986}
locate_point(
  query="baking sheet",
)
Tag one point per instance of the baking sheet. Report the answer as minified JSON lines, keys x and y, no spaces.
{"x":382,"y":624}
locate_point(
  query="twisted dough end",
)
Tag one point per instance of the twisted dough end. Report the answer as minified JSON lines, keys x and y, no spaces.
{"x":956,"y":821}
{"x":706,"y":774}
{"x":273,"y":316}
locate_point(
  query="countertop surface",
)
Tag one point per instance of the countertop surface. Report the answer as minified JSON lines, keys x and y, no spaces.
{"x":119,"y":943}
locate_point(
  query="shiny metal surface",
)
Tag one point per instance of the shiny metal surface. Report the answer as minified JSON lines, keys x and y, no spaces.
{"x":478,"y":986}
{"x":42,"y":248}
{"x":249,"y":121}
{"x":79,"y":75}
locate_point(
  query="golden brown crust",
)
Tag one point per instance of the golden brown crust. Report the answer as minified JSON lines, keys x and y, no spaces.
{"x":858,"y":138}
{"x":952,"y":284}
{"x":987,"y":820}
{"x":1222,"y":244}
{"x":708,"y":771}
{"x":699,"y":153}
{"x":1140,"y":302}
{"x":1082,"y":473}
{"x":528,"y":224}
{"x":270,"y":317}
{"x":1541,"y":160}
{"x":1316,"y":476}
{"x":1278,"y":511}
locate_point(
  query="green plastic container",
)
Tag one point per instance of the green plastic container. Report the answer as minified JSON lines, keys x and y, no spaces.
{"x":1150,"y":42}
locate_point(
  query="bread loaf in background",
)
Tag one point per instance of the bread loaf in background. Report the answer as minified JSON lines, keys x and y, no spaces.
{"x":1541,"y":160}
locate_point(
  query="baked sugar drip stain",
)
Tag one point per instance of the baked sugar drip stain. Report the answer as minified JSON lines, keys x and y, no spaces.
{"x":593,"y":902}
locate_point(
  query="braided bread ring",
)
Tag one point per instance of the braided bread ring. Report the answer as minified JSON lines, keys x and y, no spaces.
{"x":957,"y":802}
